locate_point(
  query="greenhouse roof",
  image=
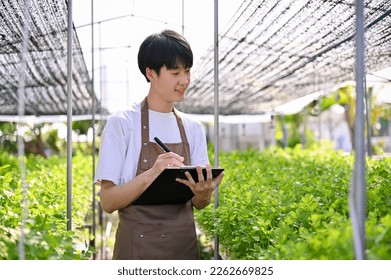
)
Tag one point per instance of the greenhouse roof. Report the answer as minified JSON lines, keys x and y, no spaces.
{"x":270,"y":53}
{"x":46,"y":60}
{"x":273,"y":52}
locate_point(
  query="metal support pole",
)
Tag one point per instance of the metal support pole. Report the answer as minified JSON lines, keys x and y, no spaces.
{"x":69,"y":118}
{"x":216,"y":114}
{"x":21,"y":125}
{"x":357,"y":198}
{"x":93,"y":242}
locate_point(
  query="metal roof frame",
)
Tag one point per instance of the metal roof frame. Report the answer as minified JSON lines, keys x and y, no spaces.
{"x":273,"y":52}
{"x":46,"y":61}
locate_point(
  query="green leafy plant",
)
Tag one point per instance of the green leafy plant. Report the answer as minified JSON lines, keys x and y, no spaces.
{"x":293,"y":204}
{"x":45,"y":234}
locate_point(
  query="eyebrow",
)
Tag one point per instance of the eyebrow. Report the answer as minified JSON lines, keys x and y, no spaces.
{"x":176,"y":67}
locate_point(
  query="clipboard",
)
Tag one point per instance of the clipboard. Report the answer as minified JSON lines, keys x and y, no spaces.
{"x":166,"y":190}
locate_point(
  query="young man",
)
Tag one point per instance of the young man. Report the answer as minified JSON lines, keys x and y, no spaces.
{"x":130,"y":160}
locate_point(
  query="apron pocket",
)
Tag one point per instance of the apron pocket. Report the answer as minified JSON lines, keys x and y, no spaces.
{"x":167,"y":242}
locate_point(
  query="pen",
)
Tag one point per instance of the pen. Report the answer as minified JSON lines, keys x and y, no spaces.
{"x":161,"y":144}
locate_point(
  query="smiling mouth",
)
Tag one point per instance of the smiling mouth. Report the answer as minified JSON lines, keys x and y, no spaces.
{"x":180,"y":90}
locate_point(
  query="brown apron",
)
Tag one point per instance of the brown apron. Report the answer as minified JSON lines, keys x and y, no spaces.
{"x":153,"y":232}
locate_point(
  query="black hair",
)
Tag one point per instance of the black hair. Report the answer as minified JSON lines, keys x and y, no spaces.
{"x":167,"y":48}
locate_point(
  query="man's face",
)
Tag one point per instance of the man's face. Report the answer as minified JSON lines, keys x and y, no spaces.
{"x":171,"y":84}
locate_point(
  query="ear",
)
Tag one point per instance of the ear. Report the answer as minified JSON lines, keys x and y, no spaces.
{"x":150,"y":73}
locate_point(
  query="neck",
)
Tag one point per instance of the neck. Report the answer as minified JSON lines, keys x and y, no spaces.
{"x":159,"y":104}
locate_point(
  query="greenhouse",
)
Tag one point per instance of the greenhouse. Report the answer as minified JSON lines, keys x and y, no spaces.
{"x":294,"y":98}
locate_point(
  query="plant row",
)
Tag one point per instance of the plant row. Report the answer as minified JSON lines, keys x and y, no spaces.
{"x":294,"y":204}
{"x":33,"y":218}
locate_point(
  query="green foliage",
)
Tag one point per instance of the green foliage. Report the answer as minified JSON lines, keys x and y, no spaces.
{"x":295,"y":124}
{"x":275,"y":204}
{"x":293,"y":204}
{"x":342,"y":96}
{"x":297,"y":132}
{"x":53,"y":141}
{"x":81,"y":127}
{"x":45,"y":234}
{"x":39,"y":137}
{"x":8,"y":137}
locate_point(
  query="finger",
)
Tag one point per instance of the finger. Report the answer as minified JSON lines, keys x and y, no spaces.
{"x":209,"y":172}
{"x":177,"y":162}
{"x":199,"y":173}
{"x":185,"y":182}
{"x":171,"y":159}
{"x":174,"y":156}
{"x":189,"y":177}
{"x":173,"y":163}
{"x":218,"y":179}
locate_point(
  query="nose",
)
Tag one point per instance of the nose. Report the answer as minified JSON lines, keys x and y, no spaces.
{"x":184,"y":78}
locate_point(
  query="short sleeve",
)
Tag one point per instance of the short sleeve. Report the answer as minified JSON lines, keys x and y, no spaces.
{"x":112,"y":152}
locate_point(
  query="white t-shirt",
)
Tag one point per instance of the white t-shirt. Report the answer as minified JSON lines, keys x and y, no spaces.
{"x":120,"y":145}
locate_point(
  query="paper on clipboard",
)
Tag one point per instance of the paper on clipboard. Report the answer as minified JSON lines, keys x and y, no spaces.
{"x":166,"y":190}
